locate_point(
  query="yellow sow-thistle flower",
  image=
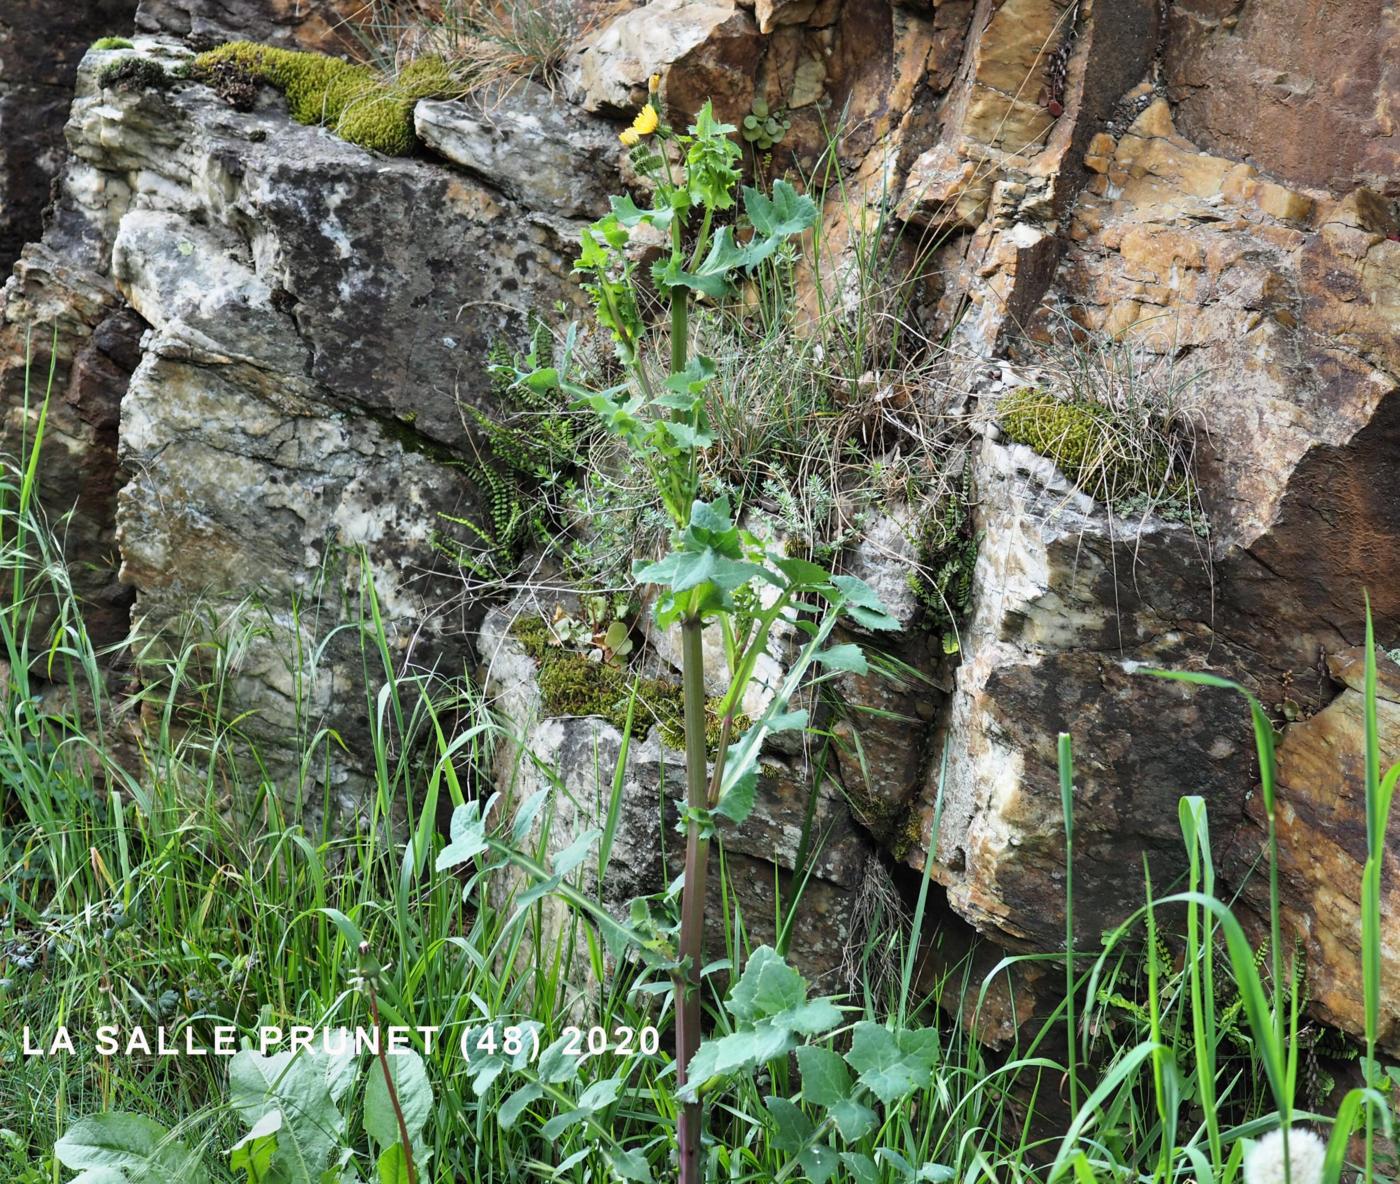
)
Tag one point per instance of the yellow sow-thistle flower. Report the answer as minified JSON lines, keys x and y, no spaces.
{"x":646,"y":122}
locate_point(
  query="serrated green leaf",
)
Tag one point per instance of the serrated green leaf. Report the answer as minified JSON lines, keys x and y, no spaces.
{"x":849,"y":657}
{"x":819,"y":1162}
{"x":891,"y":1064}
{"x":630,"y":215}
{"x":629,"y":1165}
{"x":791,"y":1128}
{"x":814,"y":1018}
{"x":686,"y":436}
{"x":861,"y":1167}
{"x":789,"y":721}
{"x":853,"y":1119}
{"x":297,"y":1087}
{"x":556,"y":1064}
{"x":737,"y":802}
{"x":735,"y":1053}
{"x":767,"y":987}
{"x":825,"y":1078}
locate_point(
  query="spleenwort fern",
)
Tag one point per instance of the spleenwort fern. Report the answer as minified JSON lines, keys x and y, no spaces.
{"x":947,"y":553}
{"x":534,"y":447}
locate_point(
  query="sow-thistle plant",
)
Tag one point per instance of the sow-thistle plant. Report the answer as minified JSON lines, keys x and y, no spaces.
{"x":717,"y":573}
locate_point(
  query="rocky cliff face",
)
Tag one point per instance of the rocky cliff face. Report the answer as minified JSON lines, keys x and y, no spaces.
{"x":266,"y":337}
{"x":40,"y":47}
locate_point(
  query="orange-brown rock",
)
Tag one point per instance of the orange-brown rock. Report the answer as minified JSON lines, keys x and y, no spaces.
{"x":1308,"y":92}
{"x":1321,"y":820}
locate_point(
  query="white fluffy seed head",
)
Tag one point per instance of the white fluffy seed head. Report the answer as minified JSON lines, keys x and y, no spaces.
{"x":1263,"y":1162}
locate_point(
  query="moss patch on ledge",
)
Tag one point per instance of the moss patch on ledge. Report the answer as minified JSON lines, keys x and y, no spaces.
{"x":1106,"y":457}
{"x":571,"y":684}
{"x":357,"y":103}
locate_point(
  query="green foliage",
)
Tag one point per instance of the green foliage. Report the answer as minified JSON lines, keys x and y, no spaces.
{"x":1094,"y":449}
{"x":356,"y":102}
{"x":532,"y":447}
{"x":763,"y":129}
{"x":133,"y":74}
{"x":946,"y":552}
{"x":571,"y":683}
{"x":102,"y":44}
{"x":115,"y":1148}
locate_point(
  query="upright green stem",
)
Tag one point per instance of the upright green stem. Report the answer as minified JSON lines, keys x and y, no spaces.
{"x":697,"y":855}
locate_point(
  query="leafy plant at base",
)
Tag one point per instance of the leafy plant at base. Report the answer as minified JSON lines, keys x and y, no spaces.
{"x":716,"y":573}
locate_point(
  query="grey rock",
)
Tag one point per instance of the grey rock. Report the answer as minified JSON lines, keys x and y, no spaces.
{"x":573,"y":760}
{"x":1069,"y":610}
{"x":530,"y":145}
{"x":287,"y":442}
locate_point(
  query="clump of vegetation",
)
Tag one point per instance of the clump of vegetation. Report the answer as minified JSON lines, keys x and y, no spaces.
{"x":485,"y":40}
{"x":133,"y":74}
{"x":102,"y":44}
{"x":1105,"y":456}
{"x":355,"y":101}
{"x":946,"y":550}
{"x":573,"y":683}
{"x":763,"y":128}
{"x":532,"y":448}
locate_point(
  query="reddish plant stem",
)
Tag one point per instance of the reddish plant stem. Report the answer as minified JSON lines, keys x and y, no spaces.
{"x":697,"y":857}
